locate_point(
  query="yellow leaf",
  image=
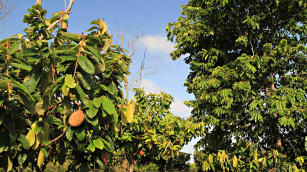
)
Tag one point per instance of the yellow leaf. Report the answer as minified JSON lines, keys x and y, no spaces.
{"x":234,"y":161}
{"x":37,"y":141}
{"x":128,"y":114}
{"x":31,"y":135}
{"x":255,"y":156}
{"x":130,"y":111}
{"x":102,"y":26}
{"x":40,"y":159}
{"x":210,"y":159}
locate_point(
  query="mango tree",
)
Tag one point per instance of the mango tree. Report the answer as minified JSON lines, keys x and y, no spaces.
{"x":60,"y":93}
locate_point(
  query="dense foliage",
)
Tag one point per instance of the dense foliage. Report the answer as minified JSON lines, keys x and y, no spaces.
{"x":154,"y":134}
{"x":248,"y":75}
{"x":45,"y":76}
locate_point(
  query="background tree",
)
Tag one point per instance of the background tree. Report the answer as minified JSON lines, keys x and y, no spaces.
{"x":151,"y":134}
{"x":248,"y":75}
{"x":59,"y":93}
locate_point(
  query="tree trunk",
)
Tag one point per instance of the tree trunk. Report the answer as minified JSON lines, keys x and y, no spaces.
{"x":278,"y":138}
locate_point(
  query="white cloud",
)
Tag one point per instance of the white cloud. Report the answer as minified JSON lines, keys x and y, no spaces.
{"x":179,"y":108}
{"x":150,"y":87}
{"x":157,"y":43}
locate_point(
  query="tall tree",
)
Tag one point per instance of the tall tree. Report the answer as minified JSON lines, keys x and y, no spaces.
{"x":248,"y":75}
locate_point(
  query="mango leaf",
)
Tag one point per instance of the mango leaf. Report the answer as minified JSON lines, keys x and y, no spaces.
{"x":85,"y":84}
{"x":70,"y":81}
{"x":108,"y":105}
{"x":22,"y":66}
{"x":82,"y":95}
{"x":9,"y":164}
{"x":92,"y":111}
{"x":72,"y":36}
{"x":41,"y":106}
{"x":80,"y":133}
{"x":69,"y":134}
{"x":86,"y":64}
{"x":91,"y":147}
{"x":40,"y":159}
{"x":14,"y":48}
{"x":94,"y":52}
{"x":1,"y":115}
{"x":31,"y":135}
{"x":22,"y":158}
{"x":98,"y":143}
{"x":32,"y":80}
{"x":97,"y":102}
{"x":130,"y":108}
{"x":24,"y":141}
{"x":99,"y":162}
{"x":3,"y":84}
{"x":107,"y":145}
{"x":65,"y":90}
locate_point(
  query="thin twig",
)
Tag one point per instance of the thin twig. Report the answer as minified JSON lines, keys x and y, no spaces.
{"x":57,"y":138}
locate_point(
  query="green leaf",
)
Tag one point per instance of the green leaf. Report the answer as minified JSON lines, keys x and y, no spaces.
{"x":98,"y":144}
{"x":82,"y":95}
{"x":95,"y":53}
{"x":80,"y":133}
{"x":100,"y":163}
{"x":92,"y":111}
{"x":97,"y":102}
{"x":107,"y":145}
{"x":85,"y":84}
{"x":14,"y":48}
{"x":69,"y":134}
{"x":25,"y":143}
{"x":70,"y":81}
{"x":45,"y":153}
{"x":86,"y":64}
{"x":91,"y":147}
{"x":65,"y":90}
{"x":72,"y":36}
{"x":1,"y":115}
{"x":3,"y":84}
{"x":108,"y":105}
{"x":22,"y":158}
{"x":22,"y":66}
{"x":31,"y":81}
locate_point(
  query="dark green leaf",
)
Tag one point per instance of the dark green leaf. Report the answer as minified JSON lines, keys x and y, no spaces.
{"x":69,"y":134}
{"x":95,"y":52}
{"x":14,"y":48}
{"x":86,"y":64}
{"x":22,"y":66}
{"x":24,"y":141}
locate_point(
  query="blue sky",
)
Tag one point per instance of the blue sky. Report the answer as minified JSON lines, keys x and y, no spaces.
{"x":147,"y":18}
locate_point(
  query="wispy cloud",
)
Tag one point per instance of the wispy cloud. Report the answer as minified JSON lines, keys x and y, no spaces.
{"x":150,"y":87}
{"x":179,"y":108}
{"x":157,"y":43}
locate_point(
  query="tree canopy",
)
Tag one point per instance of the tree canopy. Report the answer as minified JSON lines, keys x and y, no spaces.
{"x":248,"y":75}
